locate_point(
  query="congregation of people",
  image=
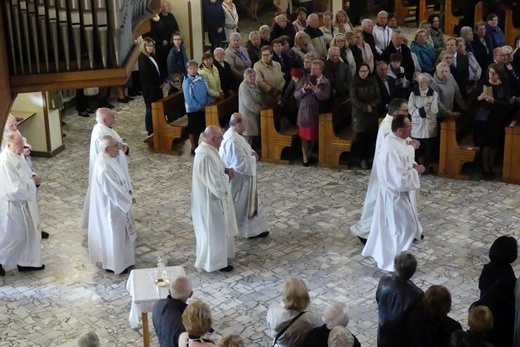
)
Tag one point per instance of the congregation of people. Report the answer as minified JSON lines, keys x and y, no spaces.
{"x":412,"y":88}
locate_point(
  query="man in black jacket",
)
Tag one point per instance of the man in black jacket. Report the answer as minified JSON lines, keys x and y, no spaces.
{"x":398,"y":300}
{"x":397,"y":46}
{"x":224,"y":70}
{"x":482,"y":46}
{"x":460,"y":66}
{"x":167,"y":313}
{"x":387,"y":87}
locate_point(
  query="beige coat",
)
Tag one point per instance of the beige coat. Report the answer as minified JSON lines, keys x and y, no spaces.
{"x":269,"y":79}
{"x":237,"y":64}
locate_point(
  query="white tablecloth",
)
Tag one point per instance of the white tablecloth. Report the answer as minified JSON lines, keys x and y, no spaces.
{"x":145,"y":293}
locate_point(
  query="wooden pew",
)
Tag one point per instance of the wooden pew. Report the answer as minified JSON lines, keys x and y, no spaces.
{"x":403,"y":9}
{"x":511,"y":31}
{"x":456,"y":146}
{"x":335,"y":135}
{"x":426,"y":9}
{"x":219,"y":113}
{"x":274,"y":137}
{"x":165,"y":133}
{"x":453,"y":16}
{"x":479,"y":12}
{"x":511,"y":165}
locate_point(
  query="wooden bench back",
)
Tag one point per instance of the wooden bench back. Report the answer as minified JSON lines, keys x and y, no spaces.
{"x":219,"y":113}
{"x":512,"y":25}
{"x":426,"y":9}
{"x":453,"y":10}
{"x":171,"y":107}
{"x":402,"y":9}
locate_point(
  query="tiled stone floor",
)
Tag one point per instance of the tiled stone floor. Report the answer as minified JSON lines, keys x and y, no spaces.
{"x":309,"y":212}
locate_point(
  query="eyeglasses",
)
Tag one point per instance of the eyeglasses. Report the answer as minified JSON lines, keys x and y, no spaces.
{"x":363,"y":71}
{"x":176,"y":81}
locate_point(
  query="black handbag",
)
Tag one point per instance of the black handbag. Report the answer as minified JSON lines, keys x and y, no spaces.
{"x":481,"y":114}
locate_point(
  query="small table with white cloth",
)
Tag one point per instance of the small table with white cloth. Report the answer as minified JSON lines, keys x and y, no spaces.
{"x":145,"y":294}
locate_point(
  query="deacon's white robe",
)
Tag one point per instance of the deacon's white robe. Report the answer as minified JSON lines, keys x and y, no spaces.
{"x":236,"y":153}
{"x":212,"y":210}
{"x":19,"y":241}
{"x":362,"y":227}
{"x":98,"y":132}
{"x":395,"y":224}
{"x":111,"y":229}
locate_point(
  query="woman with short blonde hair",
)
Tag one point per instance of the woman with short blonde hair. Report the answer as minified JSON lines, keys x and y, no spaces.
{"x":197,"y":321}
{"x":294,"y":312}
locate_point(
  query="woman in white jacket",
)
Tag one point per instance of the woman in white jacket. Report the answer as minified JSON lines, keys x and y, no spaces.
{"x":423,"y":106}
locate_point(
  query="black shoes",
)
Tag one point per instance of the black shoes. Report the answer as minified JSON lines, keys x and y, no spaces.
{"x":2,"y":271}
{"x":422,"y":238}
{"x":127,"y":270}
{"x":228,"y":268}
{"x":30,"y":268}
{"x":264,"y":234}
{"x":363,"y":240}
{"x":124,"y":100}
{"x":83,"y":114}
{"x":45,"y":235}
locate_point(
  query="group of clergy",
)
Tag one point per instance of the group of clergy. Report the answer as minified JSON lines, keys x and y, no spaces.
{"x":224,"y":198}
{"x":389,"y":223}
{"x":224,"y":201}
{"x":20,"y":233}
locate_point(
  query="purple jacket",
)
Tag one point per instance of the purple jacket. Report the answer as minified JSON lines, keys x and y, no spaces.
{"x":310,"y":102}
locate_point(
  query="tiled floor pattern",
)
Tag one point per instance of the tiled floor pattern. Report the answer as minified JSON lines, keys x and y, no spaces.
{"x":309,"y":212}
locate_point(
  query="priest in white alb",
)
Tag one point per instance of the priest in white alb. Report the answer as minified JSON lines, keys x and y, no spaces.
{"x":19,"y":240}
{"x":237,"y":154}
{"x":11,"y":127}
{"x":111,"y":228}
{"x":212,"y":208}
{"x":395,"y":224}
{"x":361,"y":229}
{"x":105,"y":120}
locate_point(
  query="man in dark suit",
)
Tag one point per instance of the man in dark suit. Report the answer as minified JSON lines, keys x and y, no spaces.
{"x":482,"y":47}
{"x":460,"y":66}
{"x":338,"y":73}
{"x":387,"y":87}
{"x":224,"y":70}
{"x":253,"y":47}
{"x":397,"y":46}
{"x":167,"y":313}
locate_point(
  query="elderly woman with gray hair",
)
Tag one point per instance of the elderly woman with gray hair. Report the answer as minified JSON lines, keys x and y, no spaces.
{"x":250,"y":104}
{"x":423,"y":105}
{"x":335,"y":315}
{"x":291,"y":319}
{"x":475,"y":71}
{"x":89,"y":339}
{"x":449,"y":93}
{"x":237,"y":57}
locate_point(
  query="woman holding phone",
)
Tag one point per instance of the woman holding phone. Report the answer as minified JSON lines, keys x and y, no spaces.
{"x":312,"y":91}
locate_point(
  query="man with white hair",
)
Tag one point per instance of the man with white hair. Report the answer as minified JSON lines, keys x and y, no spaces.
{"x":264,"y":32}
{"x":19,"y":240}
{"x":227,"y":83}
{"x":105,"y":119}
{"x":382,"y":33}
{"x":11,"y":127}
{"x":212,"y":208}
{"x":335,"y":315}
{"x":237,"y":153}
{"x":317,"y":38}
{"x":167,"y":313}
{"x":111,"y":229}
